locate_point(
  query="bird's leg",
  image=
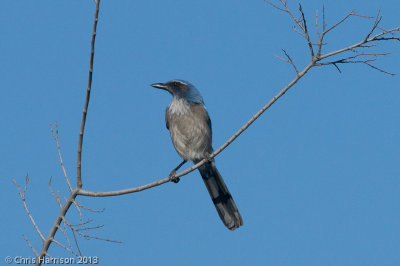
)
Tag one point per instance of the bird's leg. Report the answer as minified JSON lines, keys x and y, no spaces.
{"x":207,"y":156}
{"x":173,"y":172}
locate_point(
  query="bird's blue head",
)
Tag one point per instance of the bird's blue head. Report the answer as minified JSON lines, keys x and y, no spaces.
{"x":181,"y":89}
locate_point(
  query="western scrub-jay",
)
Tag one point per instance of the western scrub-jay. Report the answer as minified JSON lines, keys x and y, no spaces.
{"x":190,"y":129}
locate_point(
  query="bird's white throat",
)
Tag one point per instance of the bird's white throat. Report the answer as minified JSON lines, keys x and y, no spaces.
{"x":179,"y":106}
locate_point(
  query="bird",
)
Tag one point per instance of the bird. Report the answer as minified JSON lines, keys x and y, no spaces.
{"x":190,"y":129}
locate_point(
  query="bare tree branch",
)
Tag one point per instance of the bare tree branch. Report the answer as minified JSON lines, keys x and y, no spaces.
{"x":352,"y":13}
{"x":351,"y":59}
{"x":78,"y":231}
{"x":55,"y":227}
{"x":85,"y":109}
{"x":315,"y":61}
{"x":215,"y":153}
{"x":375,"y":38}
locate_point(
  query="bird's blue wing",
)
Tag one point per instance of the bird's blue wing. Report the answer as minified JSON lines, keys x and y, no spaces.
{"x":166,"y":119}
{"x":208,"y":116}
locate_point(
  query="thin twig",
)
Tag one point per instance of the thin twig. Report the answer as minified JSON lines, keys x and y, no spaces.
{"x":89,"y":228}
{"x":87,"y":237}
{"x":307,"y":36}
{"x":291,"y":61}
{"x":323,"y":19}
{"x":82,"y":224}
{"x":76,"y":243}
{"x":337,"y":67}
{"x":65,"y":235}
{"x":339,"y":22}
{"x":379,"y":69}
{"x":89,"y":209}
{"x":30,"y":245}
{"x":57,"y":198}
{"x":64,"y":247}
{"x":281,"y":9}
{"x":287,"y":10}
{"x":79,"y":210}
{"x":316,"y":25}
{"x":55,"y":136}
{"x":22,"y":195}
{"x":378,"y":19}
{"x":299,"y":32}
{"x":78,"y":231}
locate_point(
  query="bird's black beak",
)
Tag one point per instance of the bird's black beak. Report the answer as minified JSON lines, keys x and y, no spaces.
{"x":160,"y":86}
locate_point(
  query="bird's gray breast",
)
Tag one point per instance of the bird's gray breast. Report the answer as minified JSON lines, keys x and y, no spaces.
{"x":189,"y":128}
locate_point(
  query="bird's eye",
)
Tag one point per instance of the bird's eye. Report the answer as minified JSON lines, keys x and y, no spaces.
{"x":176,"y":84}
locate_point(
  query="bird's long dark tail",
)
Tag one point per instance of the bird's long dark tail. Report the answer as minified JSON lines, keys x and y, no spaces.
{"x":226,"y":207}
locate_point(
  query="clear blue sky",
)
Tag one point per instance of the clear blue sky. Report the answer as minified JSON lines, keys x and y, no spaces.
{"x":316,"y":178}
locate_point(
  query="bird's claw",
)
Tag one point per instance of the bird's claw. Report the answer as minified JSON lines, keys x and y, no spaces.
{"x":173,"y":178}
{"x":208,"y":158}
